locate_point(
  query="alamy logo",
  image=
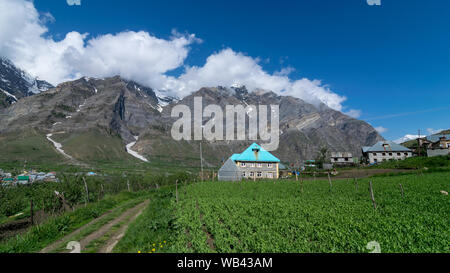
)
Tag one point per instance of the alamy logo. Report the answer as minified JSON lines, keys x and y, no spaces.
{"x":374,"y":2}
{"x":258,"y":126}
{"x":74,"y":2}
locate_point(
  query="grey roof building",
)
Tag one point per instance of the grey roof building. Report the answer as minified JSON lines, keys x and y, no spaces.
{"x":385,"y":150}
{"x":436,"y":138}
{"x":230,"y":171}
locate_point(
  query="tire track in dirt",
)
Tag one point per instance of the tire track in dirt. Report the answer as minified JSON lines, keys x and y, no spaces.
{"x":57,"y":243}
{"x":104,"y":229}
{"x":115,"y":238}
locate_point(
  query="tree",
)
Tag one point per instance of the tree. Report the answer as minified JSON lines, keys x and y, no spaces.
{"x":322,"y":157}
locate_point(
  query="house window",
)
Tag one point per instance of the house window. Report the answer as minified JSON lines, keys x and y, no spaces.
{"x":269,"y":175}
{"x":259,"y":174}
{"x":374,"y":154}
{"x":242,"y":164}
{"x":259,"y":165}
{"x":269,"y":165}
{"x":399,"y":154}
{"x":406,"y":154}
{"x":252,"y":165}
{"x":243,"y":174}
{"x":346,"y":159}
{"x":252,"y":174}
{"x":390,"y":154}
{"x":335,"y":159}
{"x":384,"y":154}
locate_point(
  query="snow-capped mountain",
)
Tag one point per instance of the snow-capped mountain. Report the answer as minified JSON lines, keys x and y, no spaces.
{"x":157,"y":99}
{"x":15,"y":83}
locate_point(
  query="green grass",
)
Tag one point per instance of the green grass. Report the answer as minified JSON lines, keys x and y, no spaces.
{"x":154,"y":226}
{"x":29,"y":146}
{"x":55,"y":228}
{"x":267,"y":217}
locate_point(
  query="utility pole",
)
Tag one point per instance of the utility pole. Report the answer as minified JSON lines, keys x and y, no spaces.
{"x":201,"y":158}
{"x":418,"y":143}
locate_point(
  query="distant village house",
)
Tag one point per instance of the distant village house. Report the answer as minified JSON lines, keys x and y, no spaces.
{"x":437,"y":145}
{"x":384,"y":151}
{"x":341,"y":158}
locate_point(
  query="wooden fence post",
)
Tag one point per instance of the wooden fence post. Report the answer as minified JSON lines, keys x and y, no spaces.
{"x":31,"y":212}
{"x":176,"y":189}
{"x":401,"y":189}
{"x":87,"y":191}
{"x":128,"y":184}
{"x":371,"y":195}
{"x":329,"y":180}
{"x":356,"y":184}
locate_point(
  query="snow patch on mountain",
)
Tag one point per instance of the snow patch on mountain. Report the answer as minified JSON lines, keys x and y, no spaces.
{"x":133,"y":153}
{"x":9,"y":95}
{"x":58,"y":146}
{"x":164,"y":98}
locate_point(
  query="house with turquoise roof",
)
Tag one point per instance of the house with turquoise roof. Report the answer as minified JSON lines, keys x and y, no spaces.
{"x":254,"y":163}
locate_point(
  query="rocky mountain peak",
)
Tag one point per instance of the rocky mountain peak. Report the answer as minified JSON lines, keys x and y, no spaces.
{"x":16,"y":83}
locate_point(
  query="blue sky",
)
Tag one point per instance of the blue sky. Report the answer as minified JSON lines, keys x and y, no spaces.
{"x":391,"y":62}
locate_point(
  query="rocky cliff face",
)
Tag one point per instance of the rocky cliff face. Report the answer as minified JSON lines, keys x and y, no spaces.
{"x":126,"y":109}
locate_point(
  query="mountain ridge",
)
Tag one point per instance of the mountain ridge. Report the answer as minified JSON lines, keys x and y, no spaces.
{"x":116,"y":107}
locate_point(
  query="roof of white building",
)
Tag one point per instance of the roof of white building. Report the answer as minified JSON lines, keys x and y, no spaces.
{"x":385,"y":146}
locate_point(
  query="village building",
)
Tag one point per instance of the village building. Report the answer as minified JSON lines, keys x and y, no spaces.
{"x":8,"y":180}
{"x":438,"y":145}
{"x":384,"y":151}
{"x":254,"y":163}
{"x":23,"y":179}
{"x":341,"y":158}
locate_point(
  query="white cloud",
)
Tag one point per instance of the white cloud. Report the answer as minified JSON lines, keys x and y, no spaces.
{"x":353,"y":113}
{"x":135,"y":55}
{"x":227,"y":68}
{"x":141,"y":57}
{"x":406,"y":138}
{"x":381,"y":129}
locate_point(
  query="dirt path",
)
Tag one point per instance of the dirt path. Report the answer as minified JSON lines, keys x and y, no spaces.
{"x":112,"y":242}
{"x":130,"y":213}
{"x":56,"y":244}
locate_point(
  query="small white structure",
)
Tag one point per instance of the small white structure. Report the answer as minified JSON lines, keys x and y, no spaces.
{"x":384,"y":151}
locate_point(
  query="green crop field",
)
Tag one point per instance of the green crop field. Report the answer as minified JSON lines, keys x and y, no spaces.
{"x":270,"y":218}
